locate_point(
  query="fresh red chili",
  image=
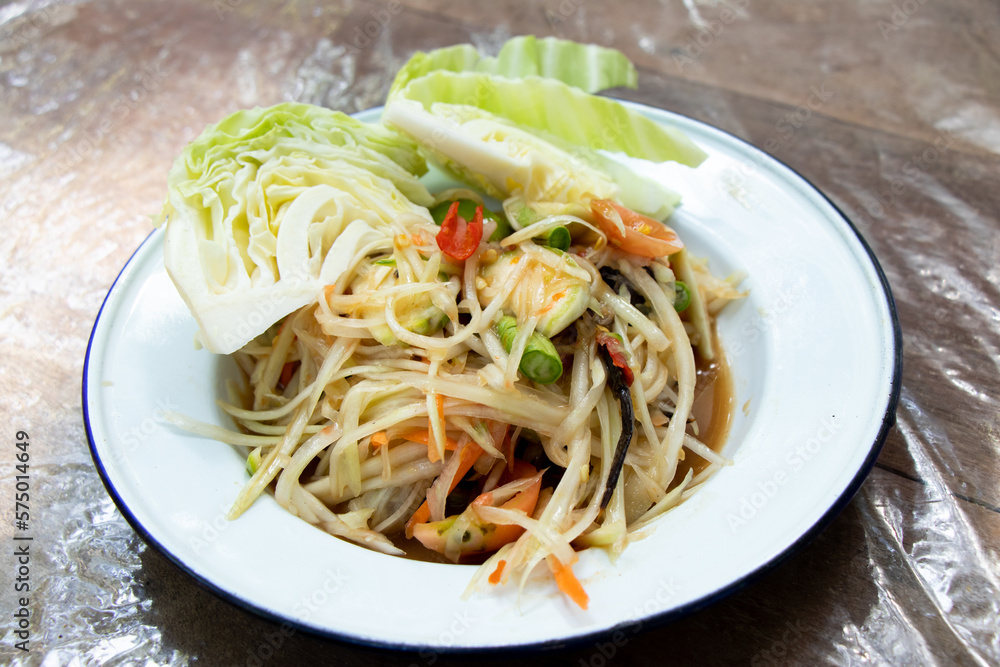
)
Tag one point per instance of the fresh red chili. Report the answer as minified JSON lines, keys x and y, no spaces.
{"x":459,"y":238}
{"x":612,"y":351}
{"x":616,"y":351}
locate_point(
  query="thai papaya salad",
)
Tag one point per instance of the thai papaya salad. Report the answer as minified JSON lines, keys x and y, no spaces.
{"x":503,"y":372}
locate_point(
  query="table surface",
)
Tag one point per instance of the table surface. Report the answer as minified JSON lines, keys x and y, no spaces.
{"x":891,"y":108}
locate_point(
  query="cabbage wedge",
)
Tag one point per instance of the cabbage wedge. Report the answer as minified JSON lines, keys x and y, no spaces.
{"x":504,"y":160}
{"x":563,"y":111}
{"x":267,"y":207}
{"x":526,"y":124}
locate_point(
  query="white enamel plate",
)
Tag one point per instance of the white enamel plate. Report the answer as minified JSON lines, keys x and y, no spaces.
{"x":815,"y":353}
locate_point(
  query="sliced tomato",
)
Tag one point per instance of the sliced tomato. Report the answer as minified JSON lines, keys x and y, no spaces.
{"x":641,"y":235}
{"x":458,"y":237}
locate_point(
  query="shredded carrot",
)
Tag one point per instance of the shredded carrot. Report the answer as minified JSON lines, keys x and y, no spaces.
{"x":328,"y":291}
{"x":497,"y":573}
{"x":422,"y":515}
{"x":469,"y":454}
{"x":423,"y":436}
{"x":287,"y":371}
{"x":567,"y":582}
{"x":439,"y":399}
{"x":552,"y":302}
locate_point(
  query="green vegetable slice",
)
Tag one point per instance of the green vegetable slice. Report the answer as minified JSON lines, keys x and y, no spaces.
{"x":683,"y":296}
{"x":588,"y":67}
{"x":561,"y":110}
{"x":540,"y":361}
{"x":557,"y":237}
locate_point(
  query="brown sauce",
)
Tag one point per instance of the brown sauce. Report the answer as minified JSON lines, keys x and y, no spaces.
{"x":714,"y":401}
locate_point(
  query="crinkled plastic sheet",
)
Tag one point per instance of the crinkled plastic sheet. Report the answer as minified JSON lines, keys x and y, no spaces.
{"x":890,"y":108}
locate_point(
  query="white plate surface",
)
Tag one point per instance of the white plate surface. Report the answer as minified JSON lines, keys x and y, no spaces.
{"x":815,"y":356}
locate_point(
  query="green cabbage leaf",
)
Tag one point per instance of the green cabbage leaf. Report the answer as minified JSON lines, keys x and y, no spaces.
{"x":501,"y":158}
{"x":268,"y":206}
{"x":564,"y":111}
{"x":589,"y":67}
{"x":526,"y":123}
